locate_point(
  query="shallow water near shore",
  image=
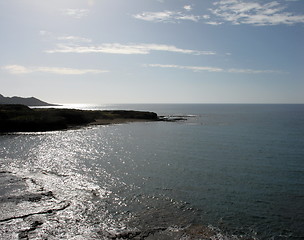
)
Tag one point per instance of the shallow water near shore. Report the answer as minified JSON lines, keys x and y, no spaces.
{"x":227,"y":172}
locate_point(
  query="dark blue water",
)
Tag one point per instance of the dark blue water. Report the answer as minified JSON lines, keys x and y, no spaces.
{"x":239,"y":168}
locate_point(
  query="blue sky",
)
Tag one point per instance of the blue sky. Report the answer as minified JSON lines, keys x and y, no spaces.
{"x":153,"y":51}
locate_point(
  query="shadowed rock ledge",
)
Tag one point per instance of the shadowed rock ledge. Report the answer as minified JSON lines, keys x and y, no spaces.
{"x":33,"y":207}
{"x":21,"y":206}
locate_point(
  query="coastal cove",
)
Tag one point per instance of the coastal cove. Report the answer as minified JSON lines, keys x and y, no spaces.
{"x":152,"y":120}
{"x":229,"y":172}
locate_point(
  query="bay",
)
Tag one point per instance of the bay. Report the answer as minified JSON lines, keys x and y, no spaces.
{"x":236,"y":169}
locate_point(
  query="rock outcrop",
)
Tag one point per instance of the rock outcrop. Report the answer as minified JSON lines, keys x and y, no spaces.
{"x":20,"y":118}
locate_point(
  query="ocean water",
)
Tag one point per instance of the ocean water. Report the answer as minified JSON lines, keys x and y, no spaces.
{"x":234,"y":171}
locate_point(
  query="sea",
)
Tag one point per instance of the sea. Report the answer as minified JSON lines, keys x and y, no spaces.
{"x":227,"y":171}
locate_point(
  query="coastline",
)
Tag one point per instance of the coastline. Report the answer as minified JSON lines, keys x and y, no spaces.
{"x":148,"y":163}
{"x":20,"y":118}
{"x":35,"y":207}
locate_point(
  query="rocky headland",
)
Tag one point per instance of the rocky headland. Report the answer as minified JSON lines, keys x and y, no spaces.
{"x":20,"y":118}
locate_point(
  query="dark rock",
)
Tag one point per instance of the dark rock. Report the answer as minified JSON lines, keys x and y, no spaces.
{"x":20,"y":118}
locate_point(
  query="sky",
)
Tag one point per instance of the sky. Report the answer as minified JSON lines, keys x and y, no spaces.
{"x":153,"y":51}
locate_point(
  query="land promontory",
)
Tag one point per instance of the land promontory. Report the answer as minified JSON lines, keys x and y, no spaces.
{"x":21,"y":118}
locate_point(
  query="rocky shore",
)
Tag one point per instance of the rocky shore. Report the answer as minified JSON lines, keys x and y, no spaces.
{"x":37,"y":206}
{"x":20,"y":118}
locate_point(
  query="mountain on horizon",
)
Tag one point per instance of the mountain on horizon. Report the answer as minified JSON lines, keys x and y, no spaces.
{"x":30,"y":101}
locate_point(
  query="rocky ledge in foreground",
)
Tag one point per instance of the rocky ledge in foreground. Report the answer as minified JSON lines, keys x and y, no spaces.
{"x":47,"y":205}
{"x":20,"y":118}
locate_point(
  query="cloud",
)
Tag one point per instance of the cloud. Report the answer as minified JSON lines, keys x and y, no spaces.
{"x":116,"y":48}
{"x":212,"y":69}
{"x":75,"y":13}
{"x":188,"y":7}
{"x":74,"y":39}
{"x":18,"y":69}
{"x":258,"y":13}
{"x":193,"y":68}
{"x":69,"y":38}
{"x":214,"y":23}
{"x":252,"y":71}
{"x":254,"y":13}
{"x":167,"y":16}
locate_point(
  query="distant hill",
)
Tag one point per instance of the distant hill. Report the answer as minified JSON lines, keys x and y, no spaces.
{"x":31,"y":101}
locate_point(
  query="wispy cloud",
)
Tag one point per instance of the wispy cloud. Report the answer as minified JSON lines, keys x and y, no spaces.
{"x":252,"y":71}
{"x":167,"y":16}
{"x":74,"y":39}
{"x":117,"y":48}
{"x":19,"y":69}
{"x":214,"y":23}
{"x":75,"y":13}
{"x":188,"y":7}
{"x":211,"y":69}
{"x":258,"y":13}
{"x":193,"y":68}
{"x":67,"y":38}
{"x":254,"y":13}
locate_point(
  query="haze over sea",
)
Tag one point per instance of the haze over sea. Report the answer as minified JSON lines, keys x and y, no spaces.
{"x":237,"y":168}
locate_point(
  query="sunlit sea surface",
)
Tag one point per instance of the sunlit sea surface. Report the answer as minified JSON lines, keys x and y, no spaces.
{"x":238,"y":169}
